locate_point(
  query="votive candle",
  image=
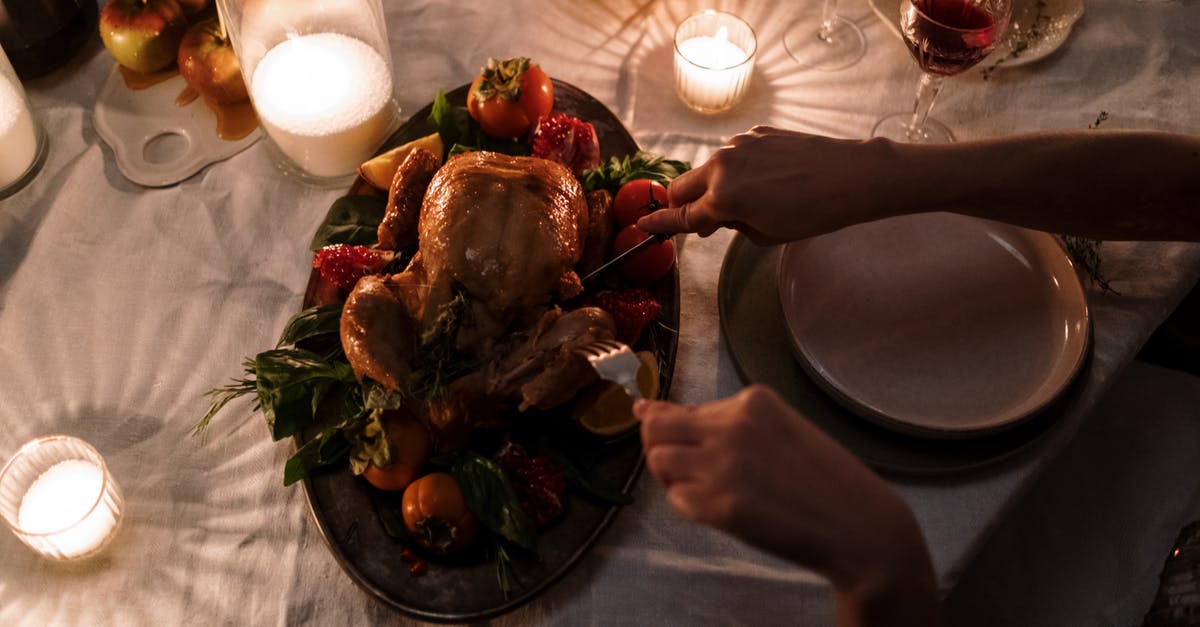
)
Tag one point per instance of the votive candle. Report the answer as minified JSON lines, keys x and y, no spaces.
{"x":57,"y":496}
{"x":714,"y":59}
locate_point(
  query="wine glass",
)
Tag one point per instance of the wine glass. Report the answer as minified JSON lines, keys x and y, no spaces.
{"x":946,"y":37}
{"x":825,"y":42}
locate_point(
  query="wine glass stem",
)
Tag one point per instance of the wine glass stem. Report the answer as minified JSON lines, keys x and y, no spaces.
{"x":926,"y":93}
{"x":828,"y":14}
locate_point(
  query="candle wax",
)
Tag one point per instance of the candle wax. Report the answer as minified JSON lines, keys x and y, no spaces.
{"x":324,"y":99}
{"x":17,"y":135}
{"x":61,"y":506}
{"x":711,"y":71}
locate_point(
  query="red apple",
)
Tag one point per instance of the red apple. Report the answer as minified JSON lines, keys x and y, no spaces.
{"x":208,"y":64}
{"x":142,"y":35}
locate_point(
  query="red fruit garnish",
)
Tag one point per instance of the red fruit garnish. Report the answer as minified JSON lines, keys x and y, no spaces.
{"x":344,"y":265}
{"x":538,"y":481}
{"x":567,"y":140}
{"x":632,"y":309}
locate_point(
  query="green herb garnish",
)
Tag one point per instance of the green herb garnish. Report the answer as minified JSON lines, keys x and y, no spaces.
{"x":618,"y":171}
{"x":489,"y":494}
{"x":352,"y":220}
{"x":440,"y":360}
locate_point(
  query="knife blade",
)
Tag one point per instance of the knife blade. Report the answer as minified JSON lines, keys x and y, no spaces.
{"x":654,"y":238}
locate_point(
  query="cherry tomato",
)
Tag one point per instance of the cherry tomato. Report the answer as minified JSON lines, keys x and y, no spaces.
{"x":648,"y":264}
{"x":410,"y":445}
{"x":638,"y":198}
{"x":436,"y":514}
{"x":508,"y":97}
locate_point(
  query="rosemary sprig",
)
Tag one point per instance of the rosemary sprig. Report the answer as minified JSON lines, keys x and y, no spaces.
{"x":441,"y":361}
{"x":1085,"y":251}
{"x":223,"y":395}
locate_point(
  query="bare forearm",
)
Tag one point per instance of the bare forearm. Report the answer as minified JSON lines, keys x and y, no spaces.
{"x":1120,"y":186}
{"x":896,"y":587}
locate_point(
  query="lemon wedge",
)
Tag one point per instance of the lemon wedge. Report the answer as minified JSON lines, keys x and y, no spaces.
{"x":380,"y":170}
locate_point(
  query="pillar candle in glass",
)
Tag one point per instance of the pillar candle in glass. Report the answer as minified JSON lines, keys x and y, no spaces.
{"x":22,"y":139}
{"x":57,"y":496}
{"x":714,"y":58}
{"x":319,"y":74}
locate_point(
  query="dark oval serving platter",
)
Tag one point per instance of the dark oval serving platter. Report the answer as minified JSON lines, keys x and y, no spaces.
{"x":362,"y":526}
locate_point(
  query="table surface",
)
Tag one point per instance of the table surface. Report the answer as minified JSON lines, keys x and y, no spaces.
{"x":120,"y":305}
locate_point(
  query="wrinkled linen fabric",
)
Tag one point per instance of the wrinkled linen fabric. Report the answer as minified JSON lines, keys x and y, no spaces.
{"x":120,"y":305}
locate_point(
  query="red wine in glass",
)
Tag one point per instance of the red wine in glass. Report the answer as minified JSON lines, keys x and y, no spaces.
{"x":945,"y":37}
{"x":948,"y":51}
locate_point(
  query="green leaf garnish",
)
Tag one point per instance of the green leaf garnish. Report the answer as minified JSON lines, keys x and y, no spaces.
{"x":329,"y":447}
{"x":618,"y":171}
{"x":352,"y":220}
{"x":291,"y":384}
{"x":319,"y":321}
{"x":489,"y":494}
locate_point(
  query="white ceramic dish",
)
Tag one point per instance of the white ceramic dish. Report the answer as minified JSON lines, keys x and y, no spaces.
{"x":157,"y":142}
{"x":1030,"y":37}
{"x":936,"y":324}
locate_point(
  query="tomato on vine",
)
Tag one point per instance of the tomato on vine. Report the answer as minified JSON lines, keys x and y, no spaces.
{"x":638,"y":198}
{"x":647,"y":265}
{"x":508,"y":97}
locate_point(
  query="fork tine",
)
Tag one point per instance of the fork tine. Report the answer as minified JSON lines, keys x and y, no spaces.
{"x":613,"y":361}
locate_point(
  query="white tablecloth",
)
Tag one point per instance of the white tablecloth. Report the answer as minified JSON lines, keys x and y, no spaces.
{"x":121,"y":305}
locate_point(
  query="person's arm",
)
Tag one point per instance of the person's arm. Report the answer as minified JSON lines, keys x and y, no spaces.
{"x":780,"y":186}
{"x":752,"y":466}
{"x":1113,"y":185}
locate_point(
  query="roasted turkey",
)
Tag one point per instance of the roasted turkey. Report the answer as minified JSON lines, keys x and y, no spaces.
{"x":499,"y":238}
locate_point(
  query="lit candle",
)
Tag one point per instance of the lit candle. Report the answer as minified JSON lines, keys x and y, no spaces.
{"x":714,"y":57}
{"x":57,"y":497}
{"x":325,"y":100}
{"x":60,"y":506}
{"x":17,"y":134}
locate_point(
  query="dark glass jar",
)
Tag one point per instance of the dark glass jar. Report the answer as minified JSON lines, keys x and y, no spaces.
{"x":40,"y":36}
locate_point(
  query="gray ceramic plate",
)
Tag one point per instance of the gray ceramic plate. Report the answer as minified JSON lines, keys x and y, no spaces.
{"x":363,"y":526}
{"x":753,"y":329}
{"x":936,"y":324}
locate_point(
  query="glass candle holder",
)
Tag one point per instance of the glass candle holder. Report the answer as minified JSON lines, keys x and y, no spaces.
{"x":714,"y":58}
{"x":57,"y":496}
{"x":319,"y":73}
{"x":22,"y":138}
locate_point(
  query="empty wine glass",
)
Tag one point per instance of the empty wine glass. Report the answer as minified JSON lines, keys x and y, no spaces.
{"x":824,"y":42}
{"x":946,"y":37}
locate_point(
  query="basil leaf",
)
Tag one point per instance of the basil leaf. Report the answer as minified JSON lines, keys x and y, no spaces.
{"x":329,"y":447}
{"x":618,"y":171}
{"x":489,"y":494}
{"x":591,"y":487}
{"x":312,"y":322}
{"x":290,"y":385}
{"x":353,"y":220}
{"x":368,"y":443}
